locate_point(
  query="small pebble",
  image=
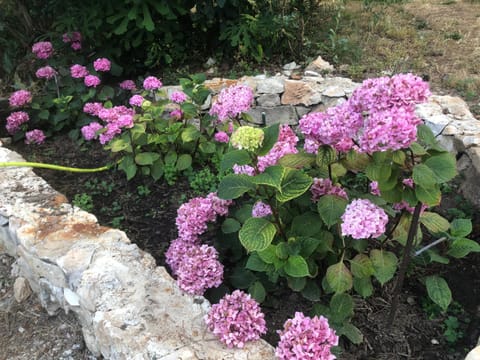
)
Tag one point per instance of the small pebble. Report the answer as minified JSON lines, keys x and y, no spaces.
{"x":21,"y":330}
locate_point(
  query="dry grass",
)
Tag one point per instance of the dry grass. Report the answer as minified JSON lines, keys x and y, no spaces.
{"x":437,"y":39}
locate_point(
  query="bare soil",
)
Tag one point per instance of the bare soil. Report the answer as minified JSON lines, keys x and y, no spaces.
{"x":27,"y":332}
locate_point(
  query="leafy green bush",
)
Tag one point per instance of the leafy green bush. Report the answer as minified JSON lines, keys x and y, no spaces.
{"x":144,"y":34}
{"x":341,"y":216}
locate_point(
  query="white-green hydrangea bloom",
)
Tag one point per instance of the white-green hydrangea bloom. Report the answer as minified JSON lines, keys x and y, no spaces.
{"x":247,"y":137}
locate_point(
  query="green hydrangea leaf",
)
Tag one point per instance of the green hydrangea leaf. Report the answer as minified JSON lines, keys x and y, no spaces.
{"x":384,"y":263}
{"x":233,"y":186}
{"x":331,"y":208}
{"x":257,"y":234}
{"x":339,"y":278}
{"x":438,"y":291}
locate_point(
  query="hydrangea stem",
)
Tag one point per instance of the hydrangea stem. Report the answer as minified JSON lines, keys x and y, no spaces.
{"x":53,"y":167}
{"x":404,"y":264}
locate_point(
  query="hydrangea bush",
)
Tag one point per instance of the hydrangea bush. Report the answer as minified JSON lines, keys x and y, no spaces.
{"x":333,"y":209}
{"x":147,"y":130}
{"x":62,"y":87}
{"x":169,"y":133}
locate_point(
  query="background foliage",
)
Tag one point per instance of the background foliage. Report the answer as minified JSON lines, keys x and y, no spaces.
{"x":139,"y":35}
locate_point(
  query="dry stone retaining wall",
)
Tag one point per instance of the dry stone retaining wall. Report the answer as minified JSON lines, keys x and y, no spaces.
{"x":128,"y":307}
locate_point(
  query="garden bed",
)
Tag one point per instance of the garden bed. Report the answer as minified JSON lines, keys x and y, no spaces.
{"x":146,"y":210}
{"x":412,"y":336}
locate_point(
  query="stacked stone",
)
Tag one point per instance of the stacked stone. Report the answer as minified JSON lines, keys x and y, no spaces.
{"x":127,"y":306}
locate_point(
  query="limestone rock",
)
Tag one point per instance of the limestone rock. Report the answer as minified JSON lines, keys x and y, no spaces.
{"x":466,"y":126}
{"x":273,"y":85}
{"x":280,"y":114}
{"x":42,"y":269}
{"x":310,"y":73}
{"x":332,"y":101}
{"x":319,"y":65}
{"x":471,"y":140}
{"x":347,"y":85}
{"x":428,"y":109}
{"x":5,"y":141}
{"x":50,"y":296}
{"x":268,"y":100}
{"x":300,"y":93}
{"x":437,"y":123}
{"x":291,"y":66}
{"x":334,"y":91}
{"x":301,"y":110}
{"x":474,"y":354}
{"x":470,"y":186}
{"x":217,"y":84}
{"x":21,"y":289}
{"x":453,"y":105}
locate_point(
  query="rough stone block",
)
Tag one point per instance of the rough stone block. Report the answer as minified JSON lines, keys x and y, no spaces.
{"x":279,"y":114}
{"x":268,"y":100}
{"x":437,"y":123}
{"x":271,"y":86}
{"x":300,"y":93}
{"x":21,"y":289}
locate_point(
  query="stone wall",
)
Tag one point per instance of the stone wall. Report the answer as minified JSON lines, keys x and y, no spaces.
{"x":128,"y":307}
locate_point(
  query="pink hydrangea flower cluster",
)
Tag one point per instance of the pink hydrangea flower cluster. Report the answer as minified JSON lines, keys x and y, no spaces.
{"x":176,"y":114}
{"x":232,"y":101}
{"x":305,"y":338}
{"x":196,"y":266}
{"x":75,"y":40}
{"x":236,"y":319}
{"x":20,"y":98}
{"x":92,"y":108}
{"x":34,"y":137}
{"x":222,"y":137}
{"x":178,"y":97}
{"x":152,"y":83}
{"x":408,"y":183}
{"x":336,"y":127}
{"x":78,"y":71}
{"x":115,"y":119}
{"x":128,"y":85}
{"x":389,"y":129}
{"x":403,"y":205}
{"x":363,"y":219}
{"x":260,"y":209}
{"x":102,"y":64}
{"x":193,"y":216}
{"x":243,"y":170}
{"x":15,"y":120}
{"x":388,"y":92}
{"x":286,"y":144}
{"x":46,"y":72}
{"x":322,"y":187}
{"x":42,"y":49}
{"x":199,"y":269}
{"x":374,"y":190}
{"x":136,"y":100}
{"x":89,"y":131}
{"x":379,"y":116}
{"x":91,"y":81}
